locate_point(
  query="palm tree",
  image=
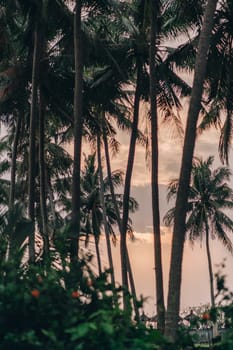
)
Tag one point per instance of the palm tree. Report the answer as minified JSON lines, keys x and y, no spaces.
{"x":95,"y":215}
{"x":37,"y":55}
{"x":101,"y":182}
{"x":155,"y":9}
{"x":78,"y":122}
{"x":173,"y":304}
{"x":79,"y":63}
{"x":208,"y":196}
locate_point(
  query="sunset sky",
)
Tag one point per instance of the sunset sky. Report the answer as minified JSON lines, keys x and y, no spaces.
{"x":195,"y":282}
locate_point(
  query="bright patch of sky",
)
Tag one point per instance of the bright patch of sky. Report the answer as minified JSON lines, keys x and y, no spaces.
{"x":195,"y":278}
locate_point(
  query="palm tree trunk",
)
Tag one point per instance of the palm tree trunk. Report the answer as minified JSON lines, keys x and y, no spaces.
{"x":97,"y":249}
{"x":42,"y":170}
{"x":106,"y":231}
{"x":210,"y":266}
{"x":154,"y":174}
{"x":211,"y":277}
{"x":186,"y":167}
{"x":133,"y":288}
{"x":96,"y":239}
{"x":13,"y":175}
{"x":128,"y":176}
{"x":32,"y":141}
{"x":52,"y":210}
{"x":13,"y":162}
{"x":129,"y":269}
{"x":78,"y":125}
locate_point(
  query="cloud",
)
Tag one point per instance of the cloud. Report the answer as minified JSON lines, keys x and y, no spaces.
{"x":170,"y":150}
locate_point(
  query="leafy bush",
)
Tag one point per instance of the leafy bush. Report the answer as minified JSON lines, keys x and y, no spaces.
{"x":70,"y":308}
{"x":43,"y":307}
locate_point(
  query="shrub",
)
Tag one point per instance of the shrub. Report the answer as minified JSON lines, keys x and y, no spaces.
{"x":46,"y":308}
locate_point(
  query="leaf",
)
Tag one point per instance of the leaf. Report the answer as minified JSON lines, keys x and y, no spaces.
{"x":81,"y":330}
{"x":107,"y":328}
{"x":49,"y":334}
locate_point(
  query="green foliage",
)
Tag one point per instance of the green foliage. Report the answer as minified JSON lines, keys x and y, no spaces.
{"x":43,"y":307}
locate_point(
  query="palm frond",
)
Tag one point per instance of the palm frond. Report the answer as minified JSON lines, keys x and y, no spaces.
{"x":168,"y":219}
{"x":223,"y":224}
{"x":226,"y":138}
{"x":172,"y":189}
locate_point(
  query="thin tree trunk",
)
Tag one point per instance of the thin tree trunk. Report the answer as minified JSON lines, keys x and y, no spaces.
{"x":106,"y":231}
{"x":226,"y":133}
{"x":210,"y":266}
{"x":130,"y":272}
{"x":211,"y":277}
{"x":13,"y":176}
{"x":32,"y":141}
{"x":51,"y":206}
{"x":78,"y":125}
{"x":96,"y":238}
{"x":98,"y":255}
{"x":42,"y":170}
{"x":132,"y":287}
{"x":154,"y":173}
{"x":173,"y":307}
{"x":13,"y":161}
{"x":128,"y":176}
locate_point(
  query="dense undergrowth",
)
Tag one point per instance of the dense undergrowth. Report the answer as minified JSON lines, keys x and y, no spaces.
{"x":43,"y":307}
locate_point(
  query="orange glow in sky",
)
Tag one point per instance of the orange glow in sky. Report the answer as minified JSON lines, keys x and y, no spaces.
{"x":195,"y":280}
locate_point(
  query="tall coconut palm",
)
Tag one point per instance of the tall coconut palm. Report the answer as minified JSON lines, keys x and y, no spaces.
{"x":42,"y":174}
{"x":101,"y":182}
{"x":163,"y":99}
{"x":209,"y":195}
{"x":155,"y":9}
{"x":78,"y":122}
{"x":140,"y":55}
{"x":94,"y":7}
{"x":173,"y":304}
{"x":32,"y":135}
